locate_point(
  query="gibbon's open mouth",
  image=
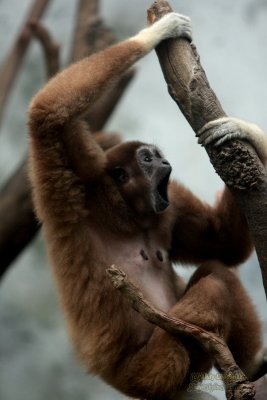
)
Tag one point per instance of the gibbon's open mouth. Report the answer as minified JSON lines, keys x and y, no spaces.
{"x":161,"y":200}
{"x":162,"y":188}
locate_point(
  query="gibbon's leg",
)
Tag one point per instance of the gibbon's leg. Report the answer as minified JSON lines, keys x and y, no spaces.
{"x":61,"y":150}
{"x":239,"y":323}
{"x":221,"y":130}
{"x":214,"y":300}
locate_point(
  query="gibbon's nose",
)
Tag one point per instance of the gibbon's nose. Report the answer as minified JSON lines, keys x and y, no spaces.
{"x":163,"y":165}
{"x":165,"y":162}
{"x":166,"y":166}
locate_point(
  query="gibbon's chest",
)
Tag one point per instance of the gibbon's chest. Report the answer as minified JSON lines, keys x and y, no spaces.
{"x":146,"y":264}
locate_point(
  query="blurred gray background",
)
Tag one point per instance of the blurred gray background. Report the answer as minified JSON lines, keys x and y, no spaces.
{"x":36,"y":359}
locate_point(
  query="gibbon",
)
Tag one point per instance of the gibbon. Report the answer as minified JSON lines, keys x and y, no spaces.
{"x":118,"y":206}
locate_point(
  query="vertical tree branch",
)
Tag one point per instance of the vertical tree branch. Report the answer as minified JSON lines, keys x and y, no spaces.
{"x":87,"y":12}
{"x":12,"y":64}
{"x":236,"y":162}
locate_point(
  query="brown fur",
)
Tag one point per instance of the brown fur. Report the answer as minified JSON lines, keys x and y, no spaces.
{"x":90,"y":223}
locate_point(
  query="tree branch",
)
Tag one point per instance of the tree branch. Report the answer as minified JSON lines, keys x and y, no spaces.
{"x":236,"y":162}
{"x":84,"y":42}
{"x":12,"y":64}
{"x":89,"y":39}
{"x":49,"y":46}
{"x":91,"y":36}
{"x":236,"y":383}
{"x":18,"y":224}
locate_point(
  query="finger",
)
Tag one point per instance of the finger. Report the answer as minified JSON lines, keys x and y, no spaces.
{"x":209,"y":137}
{"x":184,"y":17}
{"x":231,"y":136}
{"x":213,"y":124}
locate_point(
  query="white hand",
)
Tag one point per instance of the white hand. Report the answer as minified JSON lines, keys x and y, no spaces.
{"x":170,"y":26}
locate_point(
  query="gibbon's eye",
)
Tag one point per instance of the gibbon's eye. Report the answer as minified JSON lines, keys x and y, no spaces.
{"x":147,"y":157}
{"x":119,"y":175}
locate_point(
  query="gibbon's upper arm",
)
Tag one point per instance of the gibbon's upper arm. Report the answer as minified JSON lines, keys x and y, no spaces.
{"x":202,"y":232}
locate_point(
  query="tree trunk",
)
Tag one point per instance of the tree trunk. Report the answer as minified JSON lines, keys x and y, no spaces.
{"x":235,"y":162}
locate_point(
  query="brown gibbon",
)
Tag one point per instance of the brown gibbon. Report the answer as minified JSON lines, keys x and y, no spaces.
{"x":119,"y":206}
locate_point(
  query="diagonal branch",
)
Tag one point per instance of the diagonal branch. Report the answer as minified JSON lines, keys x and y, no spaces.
{"x":12,"y":64}
{"x":236,"y":383}
{"x":18,"y":224}
{"x":236,"y":162}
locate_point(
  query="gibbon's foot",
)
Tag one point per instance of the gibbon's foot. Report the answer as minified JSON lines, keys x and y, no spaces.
{"x":221,"y":130}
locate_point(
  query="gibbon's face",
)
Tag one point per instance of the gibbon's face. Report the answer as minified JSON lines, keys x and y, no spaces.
{"x":141,"y":174}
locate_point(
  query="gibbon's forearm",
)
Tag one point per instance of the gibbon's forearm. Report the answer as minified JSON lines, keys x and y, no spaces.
{"x":68,"y":95}
{"x":203,"y":233}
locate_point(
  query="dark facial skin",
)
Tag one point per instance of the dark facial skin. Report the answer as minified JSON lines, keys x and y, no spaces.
{"x":143,"y":179}
{"x":157,"y":170}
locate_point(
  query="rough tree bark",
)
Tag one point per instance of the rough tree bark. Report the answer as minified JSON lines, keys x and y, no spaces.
{"x":236,"y":162}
